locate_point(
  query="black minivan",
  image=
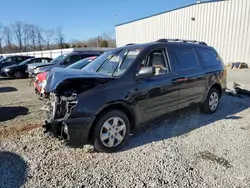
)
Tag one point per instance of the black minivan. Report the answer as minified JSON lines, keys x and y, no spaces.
{"x":129,"y":87}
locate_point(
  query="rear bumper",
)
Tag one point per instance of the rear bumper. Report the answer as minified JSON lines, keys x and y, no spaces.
{"x":74,"y":131}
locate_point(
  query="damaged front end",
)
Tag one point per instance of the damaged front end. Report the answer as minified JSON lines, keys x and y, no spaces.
{"x":58,"y":110}
{"x":63,"y":119}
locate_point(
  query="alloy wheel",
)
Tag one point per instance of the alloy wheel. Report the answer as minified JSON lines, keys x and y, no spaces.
{"x":113,"y":132}
{"x":213,"y":101}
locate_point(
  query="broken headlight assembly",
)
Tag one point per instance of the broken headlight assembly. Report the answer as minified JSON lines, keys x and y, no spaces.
{"x":61,"y":107}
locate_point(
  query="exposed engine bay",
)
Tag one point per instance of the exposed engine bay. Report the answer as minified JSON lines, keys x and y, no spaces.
{"x":64,"y":99}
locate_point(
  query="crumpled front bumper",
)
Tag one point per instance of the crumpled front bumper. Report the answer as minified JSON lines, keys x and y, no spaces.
{"x":31,"y":72}
{"x":74,"y":131}
{"x":63,"y":123}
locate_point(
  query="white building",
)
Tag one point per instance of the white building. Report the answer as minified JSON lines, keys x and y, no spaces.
{"x":223,"y":24}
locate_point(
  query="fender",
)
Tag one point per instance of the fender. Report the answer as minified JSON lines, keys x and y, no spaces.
{"x":212,"y":85}
{"x":125,"y":104}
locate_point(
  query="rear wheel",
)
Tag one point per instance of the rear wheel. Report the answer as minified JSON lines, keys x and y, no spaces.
{"x":212,"y":101}
{"x":18,"y":75}
{"x":111,"y":131}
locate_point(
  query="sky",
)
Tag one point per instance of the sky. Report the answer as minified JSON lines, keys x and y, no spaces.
{"x":82,"y":19}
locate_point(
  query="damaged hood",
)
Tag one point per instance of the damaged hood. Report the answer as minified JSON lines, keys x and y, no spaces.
{"x":57,"y":75}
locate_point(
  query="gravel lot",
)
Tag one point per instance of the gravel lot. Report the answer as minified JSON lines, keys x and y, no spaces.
{"x":189,"y":149}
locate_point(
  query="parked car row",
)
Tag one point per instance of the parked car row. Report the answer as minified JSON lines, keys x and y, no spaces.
{"x":127,"y":88}
{"x":61,"y":61}
{"x":16,"y":66}
{"x":19,"y":66}
{"x":20,"y":70}
{"x":40,"y":78}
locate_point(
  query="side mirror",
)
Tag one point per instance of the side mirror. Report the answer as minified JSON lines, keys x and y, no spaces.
{"x":146,"y":72}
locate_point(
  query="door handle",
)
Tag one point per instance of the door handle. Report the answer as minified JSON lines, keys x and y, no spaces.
{"x":179,"y":80}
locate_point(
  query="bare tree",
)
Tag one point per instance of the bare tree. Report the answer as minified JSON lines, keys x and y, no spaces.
{"x":110,"y":38}
{"x":48,"y":35}
{"x":1,"y":38}
{"x":18,"y":32}
{"x":7,"y":36}
{"x":39,"y":37}
{"x":32,"y":35}
{"x":59,"y":37}
{"x":26,"y":37}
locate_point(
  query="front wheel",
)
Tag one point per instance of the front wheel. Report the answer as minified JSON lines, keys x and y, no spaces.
{"x":18,"y":75}
{"x":111,"y":131}
{"x":212,"y":101}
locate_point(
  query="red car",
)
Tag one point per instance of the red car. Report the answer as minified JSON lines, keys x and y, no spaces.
{"x":40,"y":79}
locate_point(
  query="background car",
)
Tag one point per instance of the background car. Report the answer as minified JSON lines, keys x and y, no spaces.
{"x":13,"y":60}
{"x":61,"y":61}
{"x":40,"y":79}
{"x":20,"y":70}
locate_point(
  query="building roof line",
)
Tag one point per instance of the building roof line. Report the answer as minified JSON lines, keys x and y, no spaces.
{"x":171,"y":10}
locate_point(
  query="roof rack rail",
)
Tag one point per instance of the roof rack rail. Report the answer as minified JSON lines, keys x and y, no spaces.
{"x":182,"y":40}
{"x":130,"y":44}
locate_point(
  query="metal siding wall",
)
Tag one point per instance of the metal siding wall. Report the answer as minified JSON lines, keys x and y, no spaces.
{"x":224,"y":25}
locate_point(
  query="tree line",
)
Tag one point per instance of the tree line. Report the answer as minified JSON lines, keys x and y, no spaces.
{"x":23,"y":37}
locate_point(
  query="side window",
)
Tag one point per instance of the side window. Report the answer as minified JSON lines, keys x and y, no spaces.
{"x":20,"y":59}
{"x":44,"y":60}
{"x":208,"y":57}
{"x":38,"y":60}
{"x":31,"y":61}
{"x":9,"y":60}
{"x":184,"y":59}
{"x":86,"y":55}
{"x":157,"y":59}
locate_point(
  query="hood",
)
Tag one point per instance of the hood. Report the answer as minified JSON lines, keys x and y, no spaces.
{"x":13,"y":66}
{"x":35,"y":65}
{"x":2,"y":66}
{"x":57,"y":75}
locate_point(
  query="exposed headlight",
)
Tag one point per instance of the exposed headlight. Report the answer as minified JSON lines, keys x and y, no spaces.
{"x":6,"y":70}
{"x":37,"y":70}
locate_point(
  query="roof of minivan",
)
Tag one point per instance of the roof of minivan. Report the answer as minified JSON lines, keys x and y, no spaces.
{"x":145,"y":45}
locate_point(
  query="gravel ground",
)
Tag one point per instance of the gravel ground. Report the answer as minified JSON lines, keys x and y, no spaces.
{"x":189,"y":149}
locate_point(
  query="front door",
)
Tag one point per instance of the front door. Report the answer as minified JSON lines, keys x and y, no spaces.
{"x":157,"y":95}
{"x":191,"y":76}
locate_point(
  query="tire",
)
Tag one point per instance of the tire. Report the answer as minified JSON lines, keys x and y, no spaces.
{"x":211,"y":107}
{"x":18,"y":75}
{"x":106,"y":136}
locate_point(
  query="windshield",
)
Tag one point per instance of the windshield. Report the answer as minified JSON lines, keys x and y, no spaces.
{"x":1,"y":60}
{"x":81,"y":63}
{"x":113,"y":63}
{"x":58,"y":59}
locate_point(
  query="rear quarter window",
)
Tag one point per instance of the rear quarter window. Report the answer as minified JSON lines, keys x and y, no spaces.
{"x":208,"y":57}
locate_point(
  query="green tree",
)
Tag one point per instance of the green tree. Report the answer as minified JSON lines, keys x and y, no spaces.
{"x":104,"y":43}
